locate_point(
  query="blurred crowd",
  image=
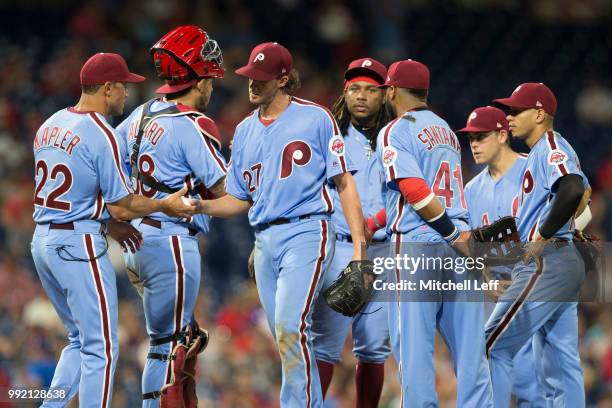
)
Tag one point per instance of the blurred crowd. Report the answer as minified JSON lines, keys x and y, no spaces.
{"x":476,"y":50}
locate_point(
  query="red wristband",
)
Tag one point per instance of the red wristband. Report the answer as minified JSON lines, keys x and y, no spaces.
{"x":377,"y":221}
{"x":414,"y":189}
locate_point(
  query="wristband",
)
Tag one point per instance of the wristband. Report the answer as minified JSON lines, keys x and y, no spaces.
{"x":443,"y":225}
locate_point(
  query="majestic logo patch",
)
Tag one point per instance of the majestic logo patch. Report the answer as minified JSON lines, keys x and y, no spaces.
{"x":259,"y":57}
{"x":556,"y":157}
{"x":389,"y":156}
{"x":366,"y":63}
{"x":336,"y":145}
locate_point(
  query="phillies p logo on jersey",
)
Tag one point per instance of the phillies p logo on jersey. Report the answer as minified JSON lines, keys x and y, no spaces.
{"x":296,"y":152}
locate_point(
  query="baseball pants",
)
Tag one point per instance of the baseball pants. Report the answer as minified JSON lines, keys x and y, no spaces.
{"x":168,"y":266}
{"x":82,"y":288}
{"x":525,"y":385}
{"x":291,"y":261}
{"x":540,"y":304}
{"x":459,"y":321}
{"x":369,"y":328}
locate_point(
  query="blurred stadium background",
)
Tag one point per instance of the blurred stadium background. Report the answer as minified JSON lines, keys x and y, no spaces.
{"x":476,"y":50}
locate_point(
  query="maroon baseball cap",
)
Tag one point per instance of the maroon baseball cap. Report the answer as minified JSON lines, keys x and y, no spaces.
{"x":485,"y":119}
{"x":531,"y":95}
{"x":107,"y":67}
{"x":268,"y":61}
{"x":366,"y":67}
{"x":408,"y":74}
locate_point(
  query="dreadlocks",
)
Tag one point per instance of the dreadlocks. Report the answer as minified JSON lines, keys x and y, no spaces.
{"x":343,"y":118}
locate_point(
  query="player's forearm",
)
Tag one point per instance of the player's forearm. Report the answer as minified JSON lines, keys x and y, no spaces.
{"x":224,"y":207}
{"x":134,"y":206}
{"x":351,"y":206}
{"x":564,"y":205}
{"x":418,"y":193}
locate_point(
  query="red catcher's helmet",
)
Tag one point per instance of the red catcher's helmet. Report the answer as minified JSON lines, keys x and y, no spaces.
{"x":185,"y":55}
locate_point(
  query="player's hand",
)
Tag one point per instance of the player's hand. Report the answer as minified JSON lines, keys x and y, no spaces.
{"x":177,"y":205}
{"x":125,"y":234}
{"x":534,"y":249}
{"x":501,"y":288}
{"x":461,"y":244}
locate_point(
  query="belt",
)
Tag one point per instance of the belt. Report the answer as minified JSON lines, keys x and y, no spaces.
{"x":281,"y":221}
{"x":70,"y":226}
{"x":157,"y":224}
{"x":348,"y":238}
{"x":66,"y":226}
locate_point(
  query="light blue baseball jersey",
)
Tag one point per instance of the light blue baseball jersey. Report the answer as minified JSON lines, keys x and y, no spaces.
{"x":176,"y":150}
{"x":421,"y":144}
{"x":285,"y":168}
{"x":489,"y":200}
{"x":550,"y":158}
{"x":78,"y":165}
{"x":369,"y":178}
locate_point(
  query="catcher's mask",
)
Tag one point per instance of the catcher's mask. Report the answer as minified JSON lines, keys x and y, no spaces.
{"x":185,"y":55}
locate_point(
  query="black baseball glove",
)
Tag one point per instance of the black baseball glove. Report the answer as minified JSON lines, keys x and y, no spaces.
{"x":498,"y":243}
{"x":351,"y":291}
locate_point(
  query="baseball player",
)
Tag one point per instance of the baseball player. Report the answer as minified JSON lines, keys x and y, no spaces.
{"x":286,"y":156}
{"x":426,"y":211}
{"x":539,"y":300}
{"x":172,"y":144}
{"x":360,"y":114}
{"x":492,"y":194}
{"x":80,"y":183}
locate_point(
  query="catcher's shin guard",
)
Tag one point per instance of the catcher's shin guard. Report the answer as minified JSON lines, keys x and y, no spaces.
{"x":180,"y":392}
{"x":172,"y":393}
{"x":198,"y":340}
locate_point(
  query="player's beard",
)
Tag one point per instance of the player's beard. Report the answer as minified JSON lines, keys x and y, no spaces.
{"x":265,"y":100}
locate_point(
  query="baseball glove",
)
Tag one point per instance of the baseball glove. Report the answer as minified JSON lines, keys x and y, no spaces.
{"x":590,"y":248}
{"x":498,"y":243}
{"x":351,"y":291}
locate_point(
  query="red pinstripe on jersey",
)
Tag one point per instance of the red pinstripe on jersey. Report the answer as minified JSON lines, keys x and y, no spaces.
{"x":552,"y":144}
{"x":386,"y":144}
{"x":112,"y":141}
{"x":299,"y":101}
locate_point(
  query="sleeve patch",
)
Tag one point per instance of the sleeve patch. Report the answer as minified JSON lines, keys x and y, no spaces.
{"x":556,"y":157}
{"x":336,"y":145}
{"x":389,"y":156}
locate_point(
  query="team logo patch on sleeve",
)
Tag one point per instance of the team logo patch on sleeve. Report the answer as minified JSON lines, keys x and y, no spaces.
{"x":556,"y":157}
{"x":336,"y":145}
{"x":389,"y":156}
